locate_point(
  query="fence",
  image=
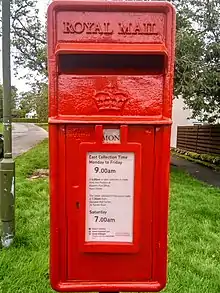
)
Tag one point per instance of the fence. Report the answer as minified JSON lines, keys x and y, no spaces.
{"x":202,"y":139}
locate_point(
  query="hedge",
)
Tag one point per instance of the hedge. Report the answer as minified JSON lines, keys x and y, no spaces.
{"x":208,"y":160}
{"x":25,"y":120}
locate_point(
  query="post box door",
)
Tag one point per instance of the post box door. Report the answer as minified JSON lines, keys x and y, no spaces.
{"x":121,"y":266}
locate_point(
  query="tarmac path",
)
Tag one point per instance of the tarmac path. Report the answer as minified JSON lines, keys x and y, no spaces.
{"x":25,"y":136}
{"x":200,"y":172}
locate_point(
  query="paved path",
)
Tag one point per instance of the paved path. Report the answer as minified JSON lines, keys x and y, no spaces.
{"x":25,"y":136}
{"x":200,"y":172}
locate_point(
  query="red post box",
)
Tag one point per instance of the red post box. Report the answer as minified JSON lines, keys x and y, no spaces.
{"x":110,"y":94}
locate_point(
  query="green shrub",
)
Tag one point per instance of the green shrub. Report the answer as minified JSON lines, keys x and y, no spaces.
{"x":193,"y":155}
{"x":205,"y":159}
{"x":25,"y":120}
{"x":210,"y":158}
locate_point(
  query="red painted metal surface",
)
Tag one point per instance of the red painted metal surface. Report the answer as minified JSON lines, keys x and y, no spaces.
{"x":110,"y":66}
{"x":97,"y":146}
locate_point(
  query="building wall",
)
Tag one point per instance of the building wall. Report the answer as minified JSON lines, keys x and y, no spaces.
{"x":179,"y":118}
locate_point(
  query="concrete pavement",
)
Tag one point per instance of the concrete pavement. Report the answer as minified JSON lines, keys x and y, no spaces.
{"x":25,"y":136}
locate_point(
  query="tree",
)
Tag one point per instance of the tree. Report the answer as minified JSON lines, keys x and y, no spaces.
{"x":198,"y":57}
{"x":14,"y":99}
{"x":41,"y":101}
{"x":197,"y":77}
{"x":29,"y":38}
{"x":29,"y":43}
{"x":35,"y":100}
{"x":27,"y":103}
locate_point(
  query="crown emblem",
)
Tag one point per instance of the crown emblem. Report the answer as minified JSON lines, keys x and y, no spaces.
{"x":110,"y":100}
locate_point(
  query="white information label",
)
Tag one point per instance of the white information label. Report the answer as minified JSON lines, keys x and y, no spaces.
{"x":111,"y":135}
{"x":109,"y":197}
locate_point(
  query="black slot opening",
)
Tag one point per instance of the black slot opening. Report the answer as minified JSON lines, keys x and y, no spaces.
{"x":110,"y":64}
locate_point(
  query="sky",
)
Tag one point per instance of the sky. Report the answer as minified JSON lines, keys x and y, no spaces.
{"x":21,"y":83}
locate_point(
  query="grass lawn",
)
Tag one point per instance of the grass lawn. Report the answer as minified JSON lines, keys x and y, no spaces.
{"x":194,"y":241}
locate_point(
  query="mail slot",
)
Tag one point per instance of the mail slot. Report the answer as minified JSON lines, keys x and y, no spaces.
{"x":111,"y":70}
{"x":111,"y":64}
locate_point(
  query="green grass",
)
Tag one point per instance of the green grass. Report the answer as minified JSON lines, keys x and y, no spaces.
{"x":194,"y":240}
{"x":43,"y":125}
{"x":1,"y":131}
{"x":24,"y":267}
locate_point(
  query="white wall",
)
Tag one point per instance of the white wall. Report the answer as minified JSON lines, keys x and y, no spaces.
{"x":179,"y":118}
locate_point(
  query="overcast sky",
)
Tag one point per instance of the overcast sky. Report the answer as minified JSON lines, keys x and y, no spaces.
{"x":21,"y":84}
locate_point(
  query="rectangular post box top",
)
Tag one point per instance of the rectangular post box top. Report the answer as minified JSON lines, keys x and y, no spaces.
{"x":111,"y":22}
{"x":111,"y":59}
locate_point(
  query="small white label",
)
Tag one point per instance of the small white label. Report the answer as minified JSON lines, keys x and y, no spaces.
{"x":111,"y":135}
{"x":110,"y":197}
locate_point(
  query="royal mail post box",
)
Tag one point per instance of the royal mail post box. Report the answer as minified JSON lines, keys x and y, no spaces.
{"x":110,"y":98}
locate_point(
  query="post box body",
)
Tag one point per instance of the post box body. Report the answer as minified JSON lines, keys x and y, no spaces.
{"x":110,"y":102}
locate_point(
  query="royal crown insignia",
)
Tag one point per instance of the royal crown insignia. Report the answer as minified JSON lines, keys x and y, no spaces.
{"x":110,"y":100}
